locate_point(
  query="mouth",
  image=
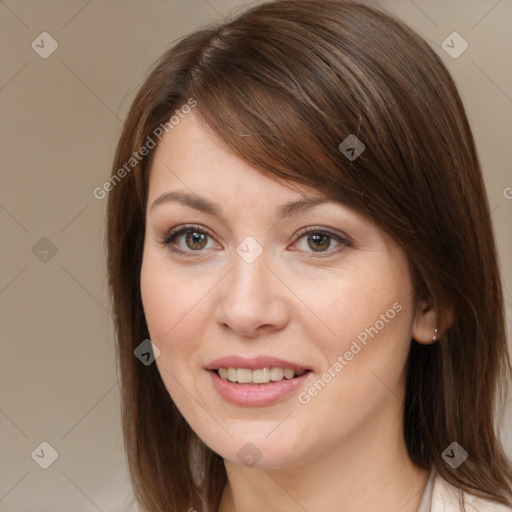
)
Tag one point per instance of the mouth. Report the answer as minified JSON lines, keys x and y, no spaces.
{"x":258,"y":381}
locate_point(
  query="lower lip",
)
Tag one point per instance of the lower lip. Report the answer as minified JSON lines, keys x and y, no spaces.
{"x":252,"y":395}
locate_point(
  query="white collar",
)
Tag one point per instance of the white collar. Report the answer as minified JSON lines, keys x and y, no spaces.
{"x":441,"y":496}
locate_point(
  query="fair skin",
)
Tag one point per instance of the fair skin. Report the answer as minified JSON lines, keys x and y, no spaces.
{"x":304,"y":299}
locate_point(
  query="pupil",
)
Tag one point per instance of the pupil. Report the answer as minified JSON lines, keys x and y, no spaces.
{"x":319,"y":238}
{"x":196,"y":240}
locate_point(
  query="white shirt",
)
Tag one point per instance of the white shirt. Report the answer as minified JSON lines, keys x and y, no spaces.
{"x":441,"y":496}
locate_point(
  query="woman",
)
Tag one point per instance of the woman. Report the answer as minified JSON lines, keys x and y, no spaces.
{"x":297,"y":221}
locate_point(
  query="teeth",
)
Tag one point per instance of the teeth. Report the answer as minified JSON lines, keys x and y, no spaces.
{"x":243,"y":375}
{"x":276,"y":374}
{"x":261,"y":376}
{"x":258,"y":376}
{"x":289,"y":374}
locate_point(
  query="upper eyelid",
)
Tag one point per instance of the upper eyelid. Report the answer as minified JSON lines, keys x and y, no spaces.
{"x":321,"y":229}
{"x":189,"y":227}
{"x":179,"y":231}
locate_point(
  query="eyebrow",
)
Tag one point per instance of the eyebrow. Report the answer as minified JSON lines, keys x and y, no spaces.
{"x":204,"y":205}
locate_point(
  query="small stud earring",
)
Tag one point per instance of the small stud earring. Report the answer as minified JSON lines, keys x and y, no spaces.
{"x":435,"y":335}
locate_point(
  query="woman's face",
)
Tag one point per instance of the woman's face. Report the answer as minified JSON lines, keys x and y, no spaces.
{"x":283,"y":325}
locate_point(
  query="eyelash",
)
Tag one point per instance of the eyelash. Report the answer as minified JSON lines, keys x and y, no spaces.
{"x":168,"y":239}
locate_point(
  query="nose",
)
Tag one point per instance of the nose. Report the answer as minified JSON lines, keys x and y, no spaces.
{"x":252,"y":299}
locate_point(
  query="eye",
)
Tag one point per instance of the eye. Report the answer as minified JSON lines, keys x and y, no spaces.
{"x":186,"y":239}
{"x":190,"y":239}
{"x":320,"y":240}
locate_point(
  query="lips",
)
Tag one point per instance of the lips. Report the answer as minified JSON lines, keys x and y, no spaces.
{"x":241,"y":380}
{"x":255,"y":363}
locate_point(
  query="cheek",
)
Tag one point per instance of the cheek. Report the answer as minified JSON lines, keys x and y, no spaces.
{"x":365,"y":358}
{"x":168,"y":304}
{"x":159,"y":302}
{"x":176,"y":307}
{"x":171,"y":310}
{"x":167,"y":297}
{"x":371,"y":314}
{"x":364,"y":305}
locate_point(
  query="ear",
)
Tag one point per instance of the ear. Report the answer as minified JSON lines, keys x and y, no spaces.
{"x":427,"y":319}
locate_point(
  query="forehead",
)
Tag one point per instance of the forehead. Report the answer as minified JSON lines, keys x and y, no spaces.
{"x":192,"y":159}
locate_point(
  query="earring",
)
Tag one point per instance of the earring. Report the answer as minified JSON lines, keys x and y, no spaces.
{"x":435,"y":335}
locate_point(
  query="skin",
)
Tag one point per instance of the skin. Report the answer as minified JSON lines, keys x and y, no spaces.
{"x":346,"y":445}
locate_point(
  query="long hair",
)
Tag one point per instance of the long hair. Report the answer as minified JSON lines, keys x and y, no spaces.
{"x":283,"y":84}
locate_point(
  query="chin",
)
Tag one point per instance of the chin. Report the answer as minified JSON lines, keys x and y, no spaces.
{"x":257,"y":452}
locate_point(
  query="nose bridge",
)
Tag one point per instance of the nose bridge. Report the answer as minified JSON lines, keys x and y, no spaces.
{"x":250,"y":268}
{"x":249,"y":279}
{"x":251,"y":297}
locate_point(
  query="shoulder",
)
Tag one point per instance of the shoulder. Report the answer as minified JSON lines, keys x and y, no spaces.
{"x":447,"y":498}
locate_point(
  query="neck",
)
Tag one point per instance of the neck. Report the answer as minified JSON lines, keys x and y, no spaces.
{"x":371,"y":471}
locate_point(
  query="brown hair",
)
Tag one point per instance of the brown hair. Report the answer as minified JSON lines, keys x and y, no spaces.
{"x":282,"y":85}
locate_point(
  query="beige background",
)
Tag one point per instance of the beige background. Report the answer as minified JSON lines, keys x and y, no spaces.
{"x":61,"y":120}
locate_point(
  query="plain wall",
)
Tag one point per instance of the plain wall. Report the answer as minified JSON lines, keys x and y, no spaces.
{"x":61,"y":118}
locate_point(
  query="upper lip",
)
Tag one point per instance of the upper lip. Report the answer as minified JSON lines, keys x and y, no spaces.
{"x":253,"y":363}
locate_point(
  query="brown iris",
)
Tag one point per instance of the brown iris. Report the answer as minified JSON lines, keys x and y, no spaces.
{"x":196,"y":241}
{"x":321,"y":241}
